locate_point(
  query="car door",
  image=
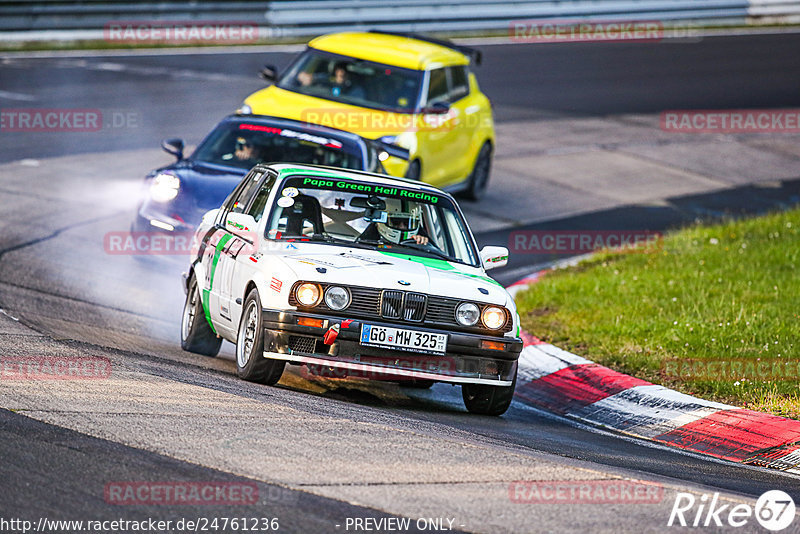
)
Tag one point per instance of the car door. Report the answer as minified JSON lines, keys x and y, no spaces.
{"x":442,"y":139}
{"x":241,"y":268}
{"x":221,"y":248}
{"x":463,"y":107}
{"x":235,"y":241}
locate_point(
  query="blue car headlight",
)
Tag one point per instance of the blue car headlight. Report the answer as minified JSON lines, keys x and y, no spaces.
{"x":164,"y":187}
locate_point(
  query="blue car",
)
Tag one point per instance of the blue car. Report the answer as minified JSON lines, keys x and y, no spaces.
{"x":177,"y":195}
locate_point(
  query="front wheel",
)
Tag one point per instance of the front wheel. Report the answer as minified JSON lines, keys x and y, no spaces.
{"x":251,"y":364}
{"x":479,"y":178}
{"x":488,"y":400}
{"x":196,"y":334}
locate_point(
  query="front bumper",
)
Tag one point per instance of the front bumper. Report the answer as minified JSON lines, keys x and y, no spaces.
{"x":464,"y":362}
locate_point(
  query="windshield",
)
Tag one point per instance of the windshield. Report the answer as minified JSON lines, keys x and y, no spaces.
{"x":243,"y":145}
{"x":354,"y":81}
{"x":369,"y":215}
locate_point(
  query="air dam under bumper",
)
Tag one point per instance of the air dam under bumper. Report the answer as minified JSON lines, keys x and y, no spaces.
{"x":465,"y":361}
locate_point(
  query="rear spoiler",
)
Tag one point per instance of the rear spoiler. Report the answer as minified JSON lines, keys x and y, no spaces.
{"x":473,"y":53}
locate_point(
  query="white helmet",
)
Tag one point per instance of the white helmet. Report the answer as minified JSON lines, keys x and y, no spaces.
{"x":403,"y":219}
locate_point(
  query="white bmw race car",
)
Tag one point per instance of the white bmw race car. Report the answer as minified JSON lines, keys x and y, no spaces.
{"x":353,"y":273}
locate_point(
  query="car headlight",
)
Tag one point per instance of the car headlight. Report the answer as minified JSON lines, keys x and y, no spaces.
{"x":493,"y":317}
{"x":245,"y":110}
{"x":164,"y":187}
{"x":307,"y":294}
{"x":467,"y":314}
{"x":337,"y":298}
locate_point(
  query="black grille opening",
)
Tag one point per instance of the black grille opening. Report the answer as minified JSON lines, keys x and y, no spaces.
{"x":391,"y":304}
{"x":303,"y":344}
{"x":414,"y":307}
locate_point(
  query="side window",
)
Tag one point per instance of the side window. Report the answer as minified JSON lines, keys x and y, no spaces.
{"x":459,"y":83}
{"x":437,"y":86}
{"x":247,"y":192}
{"x":260,"y":202}
{"x":232,"y":203}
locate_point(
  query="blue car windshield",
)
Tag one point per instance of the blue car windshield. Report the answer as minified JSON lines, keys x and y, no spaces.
{"x":245,"y":144}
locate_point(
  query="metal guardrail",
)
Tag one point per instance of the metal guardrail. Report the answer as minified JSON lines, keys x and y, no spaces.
{"x":82,"y":15}
{"x":296,"y":17}
{"x":302,"y":18}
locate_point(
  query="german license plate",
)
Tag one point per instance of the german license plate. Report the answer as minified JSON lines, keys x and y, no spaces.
{"x":402,"y":339}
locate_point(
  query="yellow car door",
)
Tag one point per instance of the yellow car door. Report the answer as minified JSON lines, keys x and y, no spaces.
{"x":440,"y":138}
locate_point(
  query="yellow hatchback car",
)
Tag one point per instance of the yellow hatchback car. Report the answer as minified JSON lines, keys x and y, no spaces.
{"x":406,"y":90}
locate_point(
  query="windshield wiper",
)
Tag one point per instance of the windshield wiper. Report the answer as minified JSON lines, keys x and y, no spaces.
{"x":313,"y":237}
{"x":415,"y":246}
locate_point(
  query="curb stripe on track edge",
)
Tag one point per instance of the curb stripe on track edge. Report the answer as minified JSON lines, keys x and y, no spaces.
{"x":570,"y":385}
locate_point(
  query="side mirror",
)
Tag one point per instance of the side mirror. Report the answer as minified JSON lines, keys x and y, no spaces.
{"x":437,"y":108}
{"x":494,"y":257}
{"x":240,"y":223}
{"x":173,"y":146}
{"x":269,"y":73}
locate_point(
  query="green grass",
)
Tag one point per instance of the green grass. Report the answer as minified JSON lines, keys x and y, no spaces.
{"x":725,"y":292}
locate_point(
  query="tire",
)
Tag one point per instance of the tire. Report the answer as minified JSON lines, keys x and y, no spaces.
{"x":251,"y":364}
{"x":417,"y":383}
{"x":414,"y":171}
{"x":488,"y":400}
{"x":479,"y":177}
{"x":196,"y":333}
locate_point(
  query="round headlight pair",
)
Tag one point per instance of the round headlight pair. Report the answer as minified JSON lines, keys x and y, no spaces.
{"x":336,"y":298}
{"x":468,"y":314}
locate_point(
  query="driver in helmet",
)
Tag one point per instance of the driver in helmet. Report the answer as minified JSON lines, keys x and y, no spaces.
{"x":403,"y":223}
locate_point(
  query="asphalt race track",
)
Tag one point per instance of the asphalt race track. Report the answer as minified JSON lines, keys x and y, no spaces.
{"x":321,"y":451}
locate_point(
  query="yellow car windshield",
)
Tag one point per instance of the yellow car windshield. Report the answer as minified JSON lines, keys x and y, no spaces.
{"x":354,"y":81}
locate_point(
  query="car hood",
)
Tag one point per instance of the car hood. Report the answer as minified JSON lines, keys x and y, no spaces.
{"x":365,"y":122}
{"x":208,"y":185}
{"x":386,"y":270}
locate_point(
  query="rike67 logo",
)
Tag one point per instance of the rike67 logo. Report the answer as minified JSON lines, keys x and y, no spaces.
{"x":774,"y":511}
